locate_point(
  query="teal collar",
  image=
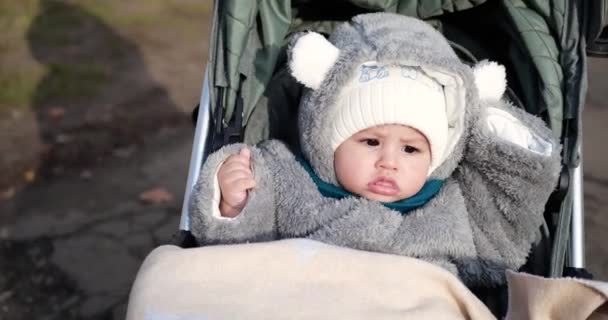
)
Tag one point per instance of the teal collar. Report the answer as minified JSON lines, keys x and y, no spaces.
{"x":428,"y":191}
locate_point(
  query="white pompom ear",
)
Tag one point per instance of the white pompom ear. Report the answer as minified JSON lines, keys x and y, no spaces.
{"x":311,"y":58}
{"x":490,"y":79}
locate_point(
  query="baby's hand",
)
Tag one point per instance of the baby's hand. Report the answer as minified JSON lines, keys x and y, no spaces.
{"x":235,"y":178}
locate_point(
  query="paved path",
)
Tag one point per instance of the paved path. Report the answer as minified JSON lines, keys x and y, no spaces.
{"x":84,"y":238}
{"x":595,"y":152}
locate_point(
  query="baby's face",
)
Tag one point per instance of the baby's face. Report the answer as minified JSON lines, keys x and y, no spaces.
{"x":385,"y":163}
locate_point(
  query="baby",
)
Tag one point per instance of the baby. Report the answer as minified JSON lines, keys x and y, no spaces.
{"x":383,"y":162}
{"x":405,"y":150}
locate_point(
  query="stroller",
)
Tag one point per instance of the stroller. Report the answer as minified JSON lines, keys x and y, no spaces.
{"x":248,"y":94}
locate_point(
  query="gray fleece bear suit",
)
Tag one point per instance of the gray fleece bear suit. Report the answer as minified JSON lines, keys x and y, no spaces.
{"x":501,"y":167}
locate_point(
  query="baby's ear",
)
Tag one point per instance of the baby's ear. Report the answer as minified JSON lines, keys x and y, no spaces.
{"x":310,"y":58}
{"x":490,"y":79}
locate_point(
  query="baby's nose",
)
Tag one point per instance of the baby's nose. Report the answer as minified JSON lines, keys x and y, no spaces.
{"x":387,"y":160}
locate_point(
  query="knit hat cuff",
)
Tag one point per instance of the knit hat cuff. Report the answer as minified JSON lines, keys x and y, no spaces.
{"x":413,"y":99}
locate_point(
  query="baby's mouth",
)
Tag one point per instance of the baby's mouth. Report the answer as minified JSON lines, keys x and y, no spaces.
{"x":384,"y":186}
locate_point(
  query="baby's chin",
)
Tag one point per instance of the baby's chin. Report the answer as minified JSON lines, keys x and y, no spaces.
{"x":381,"y":198}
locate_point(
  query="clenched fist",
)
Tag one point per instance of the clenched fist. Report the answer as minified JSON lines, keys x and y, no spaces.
{"x":235,"y":178}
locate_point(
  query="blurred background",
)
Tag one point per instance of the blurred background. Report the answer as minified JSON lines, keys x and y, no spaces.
{"x":95,"y":139}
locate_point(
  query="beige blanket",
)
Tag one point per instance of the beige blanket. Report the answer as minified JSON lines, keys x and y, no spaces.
{"x":304,"y":279}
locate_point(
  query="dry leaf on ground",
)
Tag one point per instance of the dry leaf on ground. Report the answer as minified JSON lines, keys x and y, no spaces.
{"x":7,"y":194}
{"x":29,"y":176}
{"x":156,"y":196}
{"x":56,"y":113}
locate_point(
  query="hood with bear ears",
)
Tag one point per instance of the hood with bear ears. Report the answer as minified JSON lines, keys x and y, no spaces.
{"x":325,"y":67}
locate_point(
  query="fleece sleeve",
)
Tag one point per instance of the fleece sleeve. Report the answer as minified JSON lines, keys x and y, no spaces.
{"x":287,"y":204}
{"x":256,"y":222}
{"x":510,"y":167}
{"x":302,"y":212}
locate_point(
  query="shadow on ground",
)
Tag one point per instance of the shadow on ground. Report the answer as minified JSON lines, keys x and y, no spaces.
{"x":69,"y":247}
{"x":97,"y":95}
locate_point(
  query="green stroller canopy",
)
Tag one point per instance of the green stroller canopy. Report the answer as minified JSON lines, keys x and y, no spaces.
{"x":542,"y":36}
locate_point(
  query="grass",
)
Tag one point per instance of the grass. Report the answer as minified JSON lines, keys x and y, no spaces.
{"x":18,"y":75}
{"x":17,"y":89}
{"x":20,"y":90}
{"x":154,"y":14}
{"x":23,"y":27}
{"x":73,"y":81}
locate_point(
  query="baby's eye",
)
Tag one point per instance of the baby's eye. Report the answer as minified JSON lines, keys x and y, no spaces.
{"x":410,"y":149}
{"x":371,"y":142}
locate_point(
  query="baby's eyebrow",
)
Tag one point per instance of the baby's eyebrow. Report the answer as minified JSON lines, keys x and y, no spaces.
{"x":410,"y":140}
{"x":372,"y":133}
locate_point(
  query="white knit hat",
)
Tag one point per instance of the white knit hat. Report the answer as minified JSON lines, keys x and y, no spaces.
{"x":393,"y":94}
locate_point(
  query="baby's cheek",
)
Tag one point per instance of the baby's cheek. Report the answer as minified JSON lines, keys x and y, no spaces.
{"x":418,"y":172}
